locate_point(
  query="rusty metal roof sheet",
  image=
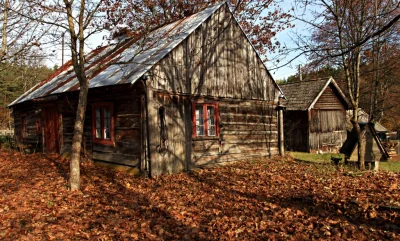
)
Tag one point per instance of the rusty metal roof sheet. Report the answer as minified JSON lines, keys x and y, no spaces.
{"x":303,"y":95}
{"x":121,"y":63}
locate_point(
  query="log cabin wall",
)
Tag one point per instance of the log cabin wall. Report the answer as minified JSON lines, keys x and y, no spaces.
{"x":327,"y":123}
{"x":296,"y":131}
{"x":33,"y":137}
{"x":248,"y":129}
{"x":127,"y":147}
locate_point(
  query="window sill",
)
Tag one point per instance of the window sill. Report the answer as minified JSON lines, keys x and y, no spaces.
{"x":104,"y":142}
{"x":206,"y":138}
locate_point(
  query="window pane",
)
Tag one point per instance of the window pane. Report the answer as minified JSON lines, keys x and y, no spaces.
{"x":106,"y":113}
{"x":199,"y":121}
{"x":210,"y":115}
{"x":107,"y":134}
{"x":98,"y":112}
{"x":211,"y":130}
{"x":98,"y":123}
{"x":199,"y":115}
{"x":107,"y":123}
{"x":102,"y":125}
{"x":98,"y":133}
{"x":200,"y":130}
{"x":210,"y":121}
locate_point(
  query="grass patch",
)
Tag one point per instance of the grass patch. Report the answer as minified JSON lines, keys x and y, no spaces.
{"x":326,"y":159}
{"x":390,"y":166}
{"x":315,"y":158}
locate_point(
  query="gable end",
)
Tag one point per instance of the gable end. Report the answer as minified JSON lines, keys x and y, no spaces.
{"x":329,"y":100}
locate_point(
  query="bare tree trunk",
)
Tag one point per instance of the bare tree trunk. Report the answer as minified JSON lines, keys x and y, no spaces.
{"x":4,"y":42}
{"x":361,"y":148}
{"x":361,"y":141}
{"x":74,"y":180}
{"x":78,"y":60}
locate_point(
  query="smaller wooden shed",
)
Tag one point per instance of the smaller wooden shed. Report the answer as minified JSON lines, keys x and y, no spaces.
{"x":363,"y":117}
{"x":315,"y":117}
{"x":374,"y":150}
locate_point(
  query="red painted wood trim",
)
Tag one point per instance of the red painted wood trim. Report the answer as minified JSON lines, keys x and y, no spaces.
{"x":205,"y":117}
{"x":216,"y":110}
{"x":194,"y":119}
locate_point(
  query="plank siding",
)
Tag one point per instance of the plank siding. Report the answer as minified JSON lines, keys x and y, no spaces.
{"x":328,"y":100}
{"x":127,"y":148}
{"x":168,"y":155}
{"x":34,"y":140}
{"x":220,"y":62}
{"x":327,"y":130}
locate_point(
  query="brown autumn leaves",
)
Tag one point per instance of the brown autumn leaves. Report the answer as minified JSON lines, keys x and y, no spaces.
{"x":277,"y":199}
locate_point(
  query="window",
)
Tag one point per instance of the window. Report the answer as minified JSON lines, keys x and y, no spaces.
{"x":24,"y":127}
{"x":103,"y":123}
{"x":205,"y":119}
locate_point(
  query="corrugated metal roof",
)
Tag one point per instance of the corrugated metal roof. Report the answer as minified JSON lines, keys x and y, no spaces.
{"x":302,"y":95}
{"x":130,"y":59}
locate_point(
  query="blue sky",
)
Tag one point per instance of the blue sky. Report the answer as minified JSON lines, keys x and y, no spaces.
{"x":284,"y":37}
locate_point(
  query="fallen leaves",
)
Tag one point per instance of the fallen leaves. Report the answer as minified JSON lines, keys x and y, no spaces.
{"x":257,"y":200}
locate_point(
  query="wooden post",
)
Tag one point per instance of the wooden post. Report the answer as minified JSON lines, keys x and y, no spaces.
{"x":281,"y":142}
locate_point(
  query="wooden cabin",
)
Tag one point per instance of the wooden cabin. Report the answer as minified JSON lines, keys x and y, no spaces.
{"x":374,"y":150}
{"x":315,"y":117}
{"x":191,"y":93}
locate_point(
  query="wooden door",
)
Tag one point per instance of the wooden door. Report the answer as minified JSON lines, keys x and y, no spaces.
{"x":51,"y":129}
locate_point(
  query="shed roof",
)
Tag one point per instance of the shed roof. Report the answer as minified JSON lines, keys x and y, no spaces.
{"x":363,"y":117}
{"x":302,"y":95}
{"x":349,"y":146}
{"x":121,"y":63}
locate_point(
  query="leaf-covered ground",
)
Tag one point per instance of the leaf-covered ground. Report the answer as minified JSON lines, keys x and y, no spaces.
{"x":277,"y":199}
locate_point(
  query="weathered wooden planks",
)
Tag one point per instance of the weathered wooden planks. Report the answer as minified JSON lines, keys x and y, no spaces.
{"x":220,"y":62}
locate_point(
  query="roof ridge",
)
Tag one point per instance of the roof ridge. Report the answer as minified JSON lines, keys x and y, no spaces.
{"x":308,"y":80}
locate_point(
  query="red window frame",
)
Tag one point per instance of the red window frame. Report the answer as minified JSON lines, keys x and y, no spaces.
{"x":205,"y":105}
{"x":102,"y":107}
{"x":24,"y":127}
